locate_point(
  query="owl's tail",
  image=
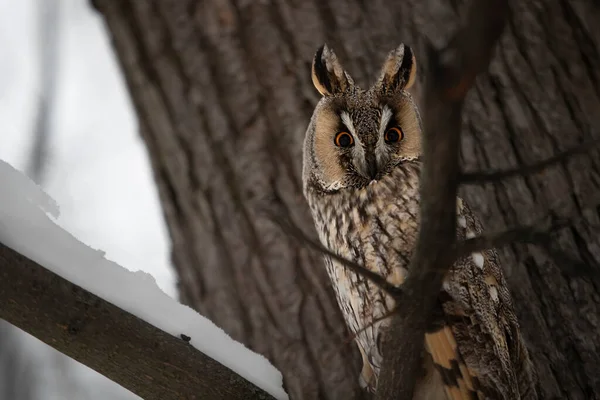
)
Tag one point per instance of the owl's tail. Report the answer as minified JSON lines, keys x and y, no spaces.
{"x":456,"y":376}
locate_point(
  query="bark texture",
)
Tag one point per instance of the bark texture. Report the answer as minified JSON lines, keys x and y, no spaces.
{"x":223,"y":94}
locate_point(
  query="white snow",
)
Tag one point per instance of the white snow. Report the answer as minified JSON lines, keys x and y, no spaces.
{"x":28,"y":225}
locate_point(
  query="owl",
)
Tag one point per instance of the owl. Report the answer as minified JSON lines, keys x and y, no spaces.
{"x":361,"y":170}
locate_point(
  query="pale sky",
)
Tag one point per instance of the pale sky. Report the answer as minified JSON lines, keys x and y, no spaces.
{"x":98,"y":170}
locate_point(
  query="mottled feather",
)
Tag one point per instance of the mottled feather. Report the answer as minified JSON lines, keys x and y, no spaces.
{"x":364,"y":200}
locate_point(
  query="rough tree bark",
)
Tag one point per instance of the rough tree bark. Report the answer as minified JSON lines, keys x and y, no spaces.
{"x":223,"y":94}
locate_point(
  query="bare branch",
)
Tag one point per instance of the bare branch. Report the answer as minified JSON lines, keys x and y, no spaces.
{"x":495,"y":176}
{"x":490,"y":241}
{"x":290,"y":228}
{"x":370,"y":324}
{"x":539,"y":234}
{"x":138,"y":356}
{"x":451,"y":73}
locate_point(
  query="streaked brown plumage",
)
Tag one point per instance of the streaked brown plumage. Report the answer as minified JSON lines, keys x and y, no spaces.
{"x":361,"y":181}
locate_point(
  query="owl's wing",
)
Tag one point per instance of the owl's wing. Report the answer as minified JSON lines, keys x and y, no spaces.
{"x":476,"y":345}
{"x":456,"y":376}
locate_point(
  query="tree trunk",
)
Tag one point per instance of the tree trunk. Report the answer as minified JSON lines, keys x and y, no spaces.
{"x":223,"y":94}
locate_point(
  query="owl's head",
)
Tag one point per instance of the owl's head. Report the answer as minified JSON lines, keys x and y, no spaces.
{"x":357,"y":136}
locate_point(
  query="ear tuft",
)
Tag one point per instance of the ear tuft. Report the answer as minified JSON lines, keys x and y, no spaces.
{"x":409,"y":67}
{"x":320,"y":77}
{"x":399,"y":70}
{"x":328,"y":76}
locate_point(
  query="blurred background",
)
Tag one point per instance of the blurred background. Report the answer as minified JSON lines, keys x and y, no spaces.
{"x":67,"y":122}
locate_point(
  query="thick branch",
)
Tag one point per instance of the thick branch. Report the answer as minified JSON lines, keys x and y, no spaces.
{"x":451,"y":73}
{"x":138,"y":356}
{"x":495,"y":176}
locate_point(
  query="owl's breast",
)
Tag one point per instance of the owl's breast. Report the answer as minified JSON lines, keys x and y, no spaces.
{"x":375,"y":226}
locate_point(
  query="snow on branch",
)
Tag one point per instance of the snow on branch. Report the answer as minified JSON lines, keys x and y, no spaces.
{"x":115,"y":321}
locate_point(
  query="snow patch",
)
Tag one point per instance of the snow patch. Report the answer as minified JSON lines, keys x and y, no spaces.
{"x":27,"y":226}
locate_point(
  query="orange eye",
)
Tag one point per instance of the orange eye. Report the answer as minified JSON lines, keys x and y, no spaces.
{"x":343,"y":139}
{"x":393,"y":135}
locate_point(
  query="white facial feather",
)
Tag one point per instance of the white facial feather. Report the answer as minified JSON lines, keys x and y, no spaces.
{"x":386,"y":114}
{"x":349,"y":124}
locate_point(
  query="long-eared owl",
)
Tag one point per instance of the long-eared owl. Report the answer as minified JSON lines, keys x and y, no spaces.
{"x":361,"y":180}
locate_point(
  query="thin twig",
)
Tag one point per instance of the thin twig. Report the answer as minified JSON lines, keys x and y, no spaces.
{"x":383,"y":317}
{"x":488,"y":241}
{"x":293,"y":230}
{"x":529,"y":235}
{"x":539,"y":234}
{"x":498,"y":175}
{"x":290,"y":228}
{"x":535,"y":233}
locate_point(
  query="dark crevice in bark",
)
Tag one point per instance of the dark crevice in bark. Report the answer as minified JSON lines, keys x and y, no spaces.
{"x":231,"y":182}
{"x":177,"y":115}
{"x":272,"y":120}
{"x":302,"y":278}
{"x":509,"y":213}
{"x":520,"y":44}
{"x":311,"y":356}
{"x":228,"y":263}
{"x":589,"y":53}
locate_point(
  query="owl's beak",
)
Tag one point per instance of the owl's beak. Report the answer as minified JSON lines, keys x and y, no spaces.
{"x":367,"y":166}
{"x":372,"y":169}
